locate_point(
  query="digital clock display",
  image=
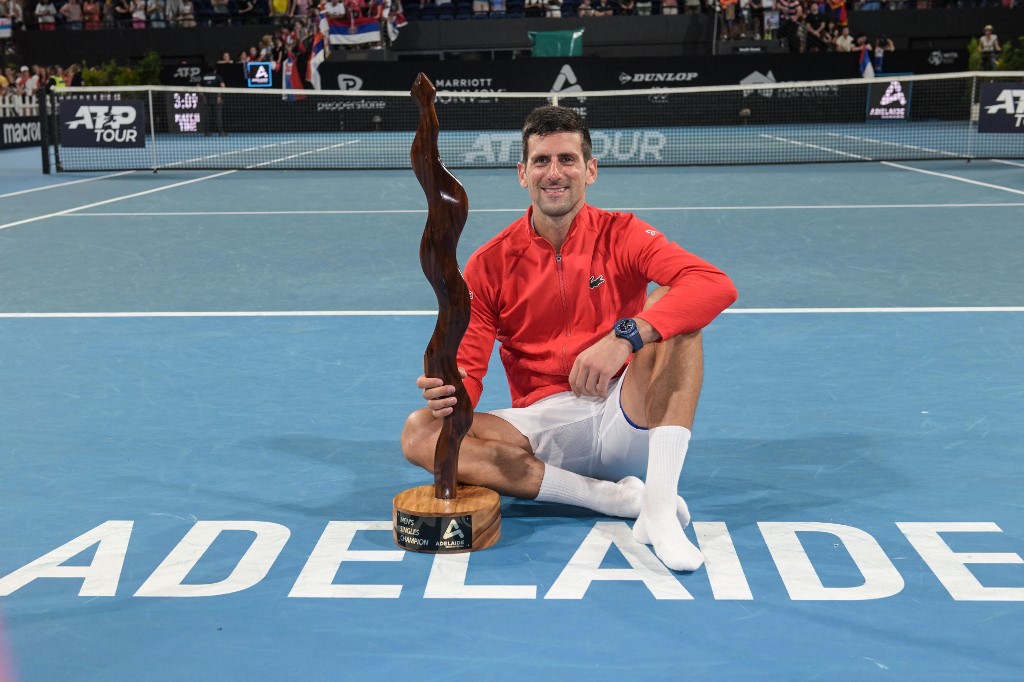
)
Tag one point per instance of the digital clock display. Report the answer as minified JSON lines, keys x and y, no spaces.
{"x":184,"y":112}
{"x":187,"y":101}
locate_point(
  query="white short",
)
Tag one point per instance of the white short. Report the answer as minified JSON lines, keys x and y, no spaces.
{"x":589,"y":436}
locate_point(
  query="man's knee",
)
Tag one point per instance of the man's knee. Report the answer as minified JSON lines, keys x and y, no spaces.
{"x":419,"y":438}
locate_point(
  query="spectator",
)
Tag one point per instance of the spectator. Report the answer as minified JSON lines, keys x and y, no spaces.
{"x":46,"y":15}
{"x":815,"y":25}
{"x":844,"y":41}
{"x":534,"y":8}
{"x":334,"y":9}
{"x":756,"y":25}
{"x":138,"y":13}
{"x":481,"y":7}
{"x":122,"y":12}
{"x":246,"y":11}
{"x":279,"y":9}
{"x":627,"y":7}
{"x":584,"y":9}
{"x":225,"y":59}
{"x":988,"y":46}
{"x":837,"y":12}
{"x":73,"y":76}
{"x":300,"y":11}
{"x":16,"y":13}
{"x":213,"y":104}
{"x":553,"y":9}
{"x":791,"y":14}
{"x":670,"y":6}
{"x":172,"y":8}
{"x":692,"y":6}
{"x":602,"y":8}
{"x":729,"y":17}
{"x":72,"y":13}
{"x":221,"y":11}
{"x":109,"y":14}
{"x":91,"y":14}
{"x":155,"y":14}
{"x":186,"y":15}
{"x":882,"y":45}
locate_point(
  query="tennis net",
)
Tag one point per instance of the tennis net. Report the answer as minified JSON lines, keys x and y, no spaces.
{"x":948,"y":116}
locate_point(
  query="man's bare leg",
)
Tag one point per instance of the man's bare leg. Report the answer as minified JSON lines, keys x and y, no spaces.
{"x":661,"y":391}
{"x":496,"y":455}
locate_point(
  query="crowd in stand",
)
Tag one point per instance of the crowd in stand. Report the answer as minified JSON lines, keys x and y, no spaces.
{"x":18,"y":87}
{"x":48,"y":15}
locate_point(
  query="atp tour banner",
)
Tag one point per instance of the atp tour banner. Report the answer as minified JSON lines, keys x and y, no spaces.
{"x":1002,"y":108}
{"x":20,"y":131}
{"x":102,"y":123}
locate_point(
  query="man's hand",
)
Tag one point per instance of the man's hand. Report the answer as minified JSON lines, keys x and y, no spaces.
{"x":439,"y":396}
{"x":596,"y":366}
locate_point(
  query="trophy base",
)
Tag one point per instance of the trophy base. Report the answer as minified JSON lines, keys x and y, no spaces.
{"x":423,"y":523}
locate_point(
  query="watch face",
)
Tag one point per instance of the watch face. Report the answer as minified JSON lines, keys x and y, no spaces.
{"x":625,"y":326}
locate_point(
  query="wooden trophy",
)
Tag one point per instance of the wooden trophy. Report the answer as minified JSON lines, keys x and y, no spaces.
{"x":445,"y":517}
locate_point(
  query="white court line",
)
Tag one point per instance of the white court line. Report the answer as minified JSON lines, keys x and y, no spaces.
{"x":815,"y":146}
{"x":222,"y":154}
{"x":294,"y":156}
{"x":1008,"y":163}
{"x":63,"y":184}
{"x":418,"y":313}
{"x":110,"y":201}
{"x":791,"y":207}
{"x":895,"y":144}
{"x":953,"y":177}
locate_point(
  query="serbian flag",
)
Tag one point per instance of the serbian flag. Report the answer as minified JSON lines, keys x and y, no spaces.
{"x":356,"y":31}
{"x":867,"y":70}
{"x":316,"y":58}
{"x":291,"y":80}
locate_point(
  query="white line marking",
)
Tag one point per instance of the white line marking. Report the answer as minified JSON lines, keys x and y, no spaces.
{"x":1007,"y":162}
{"x":120,"y":198}
{"x":895,"y":144}
{"x":63,"y":184}
{"x":221,"y":154}
{"x":991,"y":204}
{"x":815,"y":146}
{"x":419,"y":313}
{"x":953,"y":177}
{"x":293,"y":156}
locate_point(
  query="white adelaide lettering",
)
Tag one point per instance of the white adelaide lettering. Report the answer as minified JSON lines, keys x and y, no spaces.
{"x":877,"y":575}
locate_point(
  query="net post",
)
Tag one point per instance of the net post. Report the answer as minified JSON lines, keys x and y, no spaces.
{"x":152,"y":126}
{"x":554,"y":100}
{"x":44,"y":137}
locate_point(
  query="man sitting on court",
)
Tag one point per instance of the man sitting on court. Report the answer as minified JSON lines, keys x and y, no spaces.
{"x":564,"y":289}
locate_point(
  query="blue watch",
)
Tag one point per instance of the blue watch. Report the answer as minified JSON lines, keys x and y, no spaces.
{"x":626,"y":329}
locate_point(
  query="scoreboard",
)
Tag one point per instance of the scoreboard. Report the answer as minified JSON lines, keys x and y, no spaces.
{"x":185,"y":112}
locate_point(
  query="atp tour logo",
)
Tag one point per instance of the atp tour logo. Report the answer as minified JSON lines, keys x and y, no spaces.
{"x":892,"y":105}
{"x":1002,"y":108}
{"x":102,"y":124}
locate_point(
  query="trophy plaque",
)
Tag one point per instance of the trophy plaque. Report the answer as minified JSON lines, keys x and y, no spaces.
{"x":445,"y":517}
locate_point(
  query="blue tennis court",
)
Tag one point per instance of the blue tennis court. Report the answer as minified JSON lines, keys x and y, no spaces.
{"x":205,"y":375}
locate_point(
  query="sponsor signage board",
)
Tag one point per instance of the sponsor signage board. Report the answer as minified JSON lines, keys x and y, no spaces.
{"x":1002,"y":108}
{"x":102,"y":123}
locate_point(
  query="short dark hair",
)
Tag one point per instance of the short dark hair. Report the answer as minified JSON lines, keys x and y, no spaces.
{"x":551,"y":119}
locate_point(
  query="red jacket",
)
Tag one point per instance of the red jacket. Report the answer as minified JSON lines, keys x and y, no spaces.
{"x":546,"y":308}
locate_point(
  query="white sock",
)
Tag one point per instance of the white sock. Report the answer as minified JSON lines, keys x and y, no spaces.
{"x":614,"y":499}
{"x":659,"y":520}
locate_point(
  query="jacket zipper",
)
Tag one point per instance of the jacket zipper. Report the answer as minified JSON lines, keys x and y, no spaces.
{"x":565,"y":311}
